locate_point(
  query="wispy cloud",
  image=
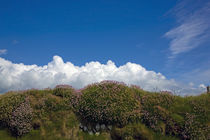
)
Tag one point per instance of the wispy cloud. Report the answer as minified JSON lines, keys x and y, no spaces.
{"x":193,"y":27}
{"x":3,"y":51}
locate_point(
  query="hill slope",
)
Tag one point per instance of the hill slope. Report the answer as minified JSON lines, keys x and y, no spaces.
{"x":106,"y":110}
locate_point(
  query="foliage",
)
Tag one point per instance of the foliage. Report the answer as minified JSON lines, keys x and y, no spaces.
{"x":132,"y":131}
{"x":185,"y":117}
{"x":137,"y":131}
{"x":8,"y":103}
{"x":108,"y":102}
{"x":21,"y":117}
{"x":132,"y":113}
{"x":63,"y":91}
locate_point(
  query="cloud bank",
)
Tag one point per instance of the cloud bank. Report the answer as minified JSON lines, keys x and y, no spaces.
{"x":21,"y":77}
{"x":193,"y":26}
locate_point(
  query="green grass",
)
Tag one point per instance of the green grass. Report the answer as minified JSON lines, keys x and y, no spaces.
{"x":86,"y":136}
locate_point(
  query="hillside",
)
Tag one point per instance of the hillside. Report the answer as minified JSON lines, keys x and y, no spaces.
{"x":103,"y":111}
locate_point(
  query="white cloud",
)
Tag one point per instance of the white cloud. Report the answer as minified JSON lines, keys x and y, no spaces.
{"x":20,"y":76}
{"x":193,"y":28}
{"x":202,"y":86}
{"x":3,"y":51}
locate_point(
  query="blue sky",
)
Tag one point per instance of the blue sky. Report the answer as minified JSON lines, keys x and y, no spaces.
{"x":170,"y":37}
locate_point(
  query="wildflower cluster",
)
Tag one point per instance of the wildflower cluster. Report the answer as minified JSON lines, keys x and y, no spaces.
{"x":108,"y":102}
{"x":155,"y":112}
{"x":193,"y":129}
{"x":136,"y":87}
{"x":8,"y":103}
{"x":21,"y":117}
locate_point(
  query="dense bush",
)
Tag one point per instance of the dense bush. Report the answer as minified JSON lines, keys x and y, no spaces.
{"x":155,"y":110}
{"x":185,"y":117}
{"x":193,"y":129}
{"x":21,"y":117}
{"x":63,"y":91}
{"x":8,"y":102}
{"x":197,"y":121}
{"x":108,"y":102}
{"x":133,"y":131}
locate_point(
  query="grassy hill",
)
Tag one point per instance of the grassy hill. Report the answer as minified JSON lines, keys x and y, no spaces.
{"x":103,"y":111}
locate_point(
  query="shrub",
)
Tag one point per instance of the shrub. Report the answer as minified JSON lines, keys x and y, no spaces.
{"x":132,"y":131}
{"x":50,"y":103}
{"x":67,"y":93}
{"x":194,"y":129}
{"x":8,"y":102}
{"x":63,"y":91}
{"x":108,"y":102}
{"x":21,"y":117}
{"x":154,"y":108}
{"x":163,"y":99}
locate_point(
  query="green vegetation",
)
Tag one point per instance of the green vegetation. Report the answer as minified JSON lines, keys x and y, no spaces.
{"x":108,"y":103}
{"x":103,"y":111}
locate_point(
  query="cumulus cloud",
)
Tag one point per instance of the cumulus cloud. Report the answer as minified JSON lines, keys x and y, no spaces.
{"x":193,"y":26}
{"x":3,"y":51}
{"x":19,"y":76}
{"x":202,"y":86}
